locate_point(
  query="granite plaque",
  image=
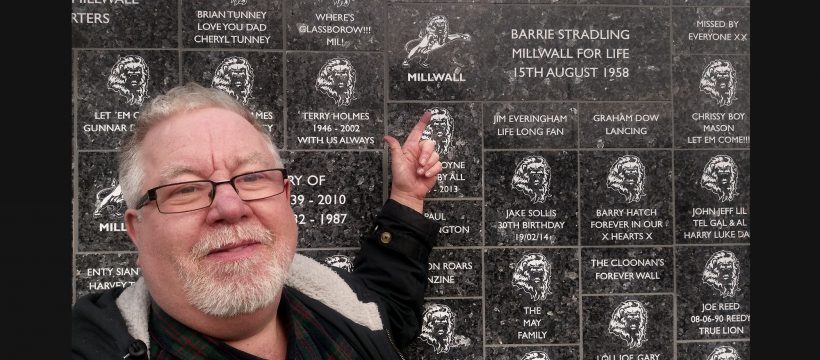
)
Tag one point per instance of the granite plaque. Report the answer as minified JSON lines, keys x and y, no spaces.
{"x":578,"y":53}
{"x":628,"y":327}
{"x":454,"y":272}
{"x":710,"y":30}
{"x":253,"y":78}
{"x":98,"y":272}
{"x":625,"y":125}
{"x":626,"y":197}
{"x":627,"y":270}
{"x":712,"y":196}
{"x":112,"y":87}
{"x":531,"y":296}
{"x":511,"y":125}
{"x":335,"y":25}
{"x":123,"y":24}
{"x":335,"y":196}
{"x":247,"y":24}
{"x":456,"y":129}
{"x":101,"y":204}
{"x":339,"y":260}
{"x":460,"y":221}
{"x":450,"y":329}
{"x":712,"y":103}
{"x":531,"y":198}
{"x":714,"y":292}
{"x":730,"y":350}
{"x":433,"y":51}
{"x":337,"y":103}
{"x":533,"y":353}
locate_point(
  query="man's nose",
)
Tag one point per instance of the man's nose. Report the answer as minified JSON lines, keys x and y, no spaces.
{"x":227,"y":205}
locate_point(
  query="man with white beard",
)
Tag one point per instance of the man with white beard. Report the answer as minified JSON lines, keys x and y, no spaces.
{"x":209,"y":214}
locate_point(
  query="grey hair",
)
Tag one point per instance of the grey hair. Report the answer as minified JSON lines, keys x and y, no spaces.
{"x":179,"y":100}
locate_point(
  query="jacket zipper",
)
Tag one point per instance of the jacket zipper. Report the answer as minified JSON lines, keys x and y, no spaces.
{"x":390,"y":338}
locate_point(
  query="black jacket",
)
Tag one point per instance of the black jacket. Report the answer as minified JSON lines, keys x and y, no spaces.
{"x":377,"y":306}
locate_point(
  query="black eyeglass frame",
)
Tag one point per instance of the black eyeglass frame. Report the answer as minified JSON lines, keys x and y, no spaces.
{"x":151,"y":194}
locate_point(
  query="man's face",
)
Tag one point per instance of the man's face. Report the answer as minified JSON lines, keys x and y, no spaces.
{"x":213,"y":144}
{"x":723,"y":82}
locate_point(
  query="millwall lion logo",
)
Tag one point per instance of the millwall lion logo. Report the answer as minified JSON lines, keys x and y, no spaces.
{"x":536,"y":355}
{"x":532,"y":177}
{"x":235,"y":77}
{"x":722,"y":273}
{"x":719,"y":81}
{"x":720,"y":177}
{"x":626,"y":176}
{"x":110,"y":201}
{"x":435,"y":36}
{"x":439,"y":129}
{"x":724,"y":353}
{"x":129,"y":78}
{"x":629,"y":323}
{"x":340,"y":261}
{"x":438,"y":328}
{"x":337,"y":80}
{"x":532,"y":275}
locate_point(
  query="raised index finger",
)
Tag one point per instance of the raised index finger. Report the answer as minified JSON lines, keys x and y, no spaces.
{"x":415,"y":134}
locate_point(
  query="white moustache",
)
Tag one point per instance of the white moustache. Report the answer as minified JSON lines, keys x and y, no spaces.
{"x":227,"y":235}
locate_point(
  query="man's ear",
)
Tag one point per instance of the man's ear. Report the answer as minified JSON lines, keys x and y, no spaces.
{"x":133,"y":218}
{"x":287,"y":189}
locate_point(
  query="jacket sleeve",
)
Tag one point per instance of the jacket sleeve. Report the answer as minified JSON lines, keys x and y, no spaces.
{"x":393,"y":263}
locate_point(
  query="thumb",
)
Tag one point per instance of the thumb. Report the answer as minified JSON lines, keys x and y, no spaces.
{"x":394,"y":147}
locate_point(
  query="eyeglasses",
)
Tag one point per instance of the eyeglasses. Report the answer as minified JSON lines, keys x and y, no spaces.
{"x":194,"y":195}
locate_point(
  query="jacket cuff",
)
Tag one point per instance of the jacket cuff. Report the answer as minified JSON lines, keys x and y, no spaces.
{"x":405,"y":230}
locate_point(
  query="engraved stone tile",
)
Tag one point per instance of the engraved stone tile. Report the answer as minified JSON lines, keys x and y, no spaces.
{"x":625,"y":327}
{"x":531,"y":296}
{"x":525,"y":125}
{"x":712,"y":101}
{"x":625,"y":125}
{"x":451,"y":328}
{"x":531,"y":198}
{"x":578,"y":53}
{"x":101,"y":204}
{"x":712,"y":196}
{"x":711,"y":30}
{"x":335,"y":195}
{"x":98,"y":272}
{"x":335,"y":25}
{"x":460,"y":221}
{"x":123,"y":24}
{"x":456,"y":128}
{"x":626,"y":197}
{"x":434,"y":51}
{"x":247,"y":24}
{"x":714,"y":292}
{"x":253,"y":78}
{"x":335,"y":101}
{"x":339,"y":260}
{"x":715,"y":351}
{"x":112,"y":87}
{"x":454,"y":272}
{"x":532,"y":353}
{"x":627,"y":270}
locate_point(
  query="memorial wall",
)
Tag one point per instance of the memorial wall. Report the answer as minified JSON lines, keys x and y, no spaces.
{"x":595,"y":192}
